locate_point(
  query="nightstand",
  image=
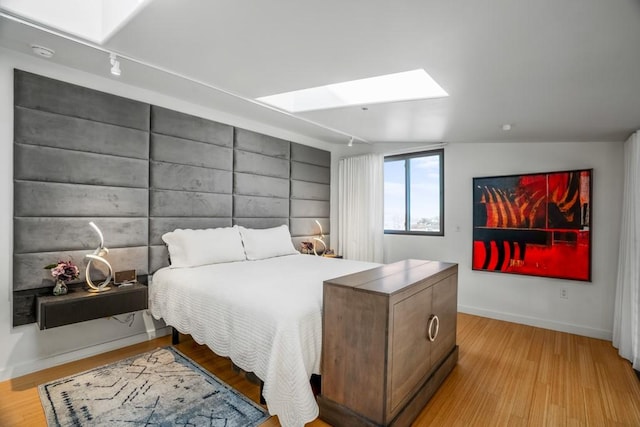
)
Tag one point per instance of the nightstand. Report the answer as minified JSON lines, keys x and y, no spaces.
{"x":80,"y":305}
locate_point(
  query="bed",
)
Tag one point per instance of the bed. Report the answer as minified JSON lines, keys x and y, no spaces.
{"x":263,"y":312}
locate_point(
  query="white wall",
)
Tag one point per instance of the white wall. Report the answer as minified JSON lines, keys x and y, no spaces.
{"x":526,"y":299}
{"x":26,"y":349}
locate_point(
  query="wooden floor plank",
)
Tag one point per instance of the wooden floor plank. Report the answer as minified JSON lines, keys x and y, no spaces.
{"x":507,"y":375}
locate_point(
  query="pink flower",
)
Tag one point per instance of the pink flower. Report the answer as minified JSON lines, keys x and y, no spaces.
{"x":64,"y":270}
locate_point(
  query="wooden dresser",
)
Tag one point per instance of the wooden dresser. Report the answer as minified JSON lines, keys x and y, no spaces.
{"x":389,"y":341}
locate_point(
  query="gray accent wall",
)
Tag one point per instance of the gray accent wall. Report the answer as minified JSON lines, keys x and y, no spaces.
{"x":139,"y":171}
{"x":310,"y":188}
{"x":191,"y":177}
{"x":261,"y":180}
{"x":61,"y":183}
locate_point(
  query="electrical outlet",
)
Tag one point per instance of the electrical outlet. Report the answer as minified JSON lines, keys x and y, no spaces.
{"x":564,"y":293}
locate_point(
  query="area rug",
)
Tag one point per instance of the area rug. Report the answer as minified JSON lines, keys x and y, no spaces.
{"x":159,"y":388}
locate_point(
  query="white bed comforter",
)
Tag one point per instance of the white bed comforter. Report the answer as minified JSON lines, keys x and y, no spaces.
{"x":266,"y":316}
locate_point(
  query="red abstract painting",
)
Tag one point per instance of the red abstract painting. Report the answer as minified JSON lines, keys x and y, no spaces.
{"x":534,"y":224}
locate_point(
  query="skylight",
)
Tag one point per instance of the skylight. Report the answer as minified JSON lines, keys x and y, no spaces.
{"x":94,"y":20}
{"x":405,"y":86}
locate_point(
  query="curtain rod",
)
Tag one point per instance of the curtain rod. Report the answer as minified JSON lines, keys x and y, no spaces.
{"x":417,"y":149}
{"x":78,"y":40}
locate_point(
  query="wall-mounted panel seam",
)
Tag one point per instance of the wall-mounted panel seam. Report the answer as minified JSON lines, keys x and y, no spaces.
{"x":44,"y":93}
{"x":151,"y":162}
{"x":248,"y":150}
{"x":77,"y":183}
{"x":187,"y":216}
{"x":141,"y":160}
{"x":155,"y":189}
{"x":40,"y":110}
{"x":262,"y":154}
{"x":311,"y":164}
{"x":260,"y":197}
{"x":189,"y":191}
{"x":234,"y":133}
{"x":191,"y":140}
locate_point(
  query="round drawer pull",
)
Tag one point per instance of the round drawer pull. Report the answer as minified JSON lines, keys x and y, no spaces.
{"x":431,"y":334}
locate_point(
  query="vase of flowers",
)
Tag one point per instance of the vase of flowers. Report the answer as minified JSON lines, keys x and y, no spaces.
{"x":63,"y":272}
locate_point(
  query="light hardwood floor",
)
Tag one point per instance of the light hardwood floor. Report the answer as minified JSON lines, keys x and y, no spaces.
{"x":507,"y":375}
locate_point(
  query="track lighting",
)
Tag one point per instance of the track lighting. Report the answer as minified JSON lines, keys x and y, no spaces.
{"x":350,"y":144}
{"x":115,"y":65}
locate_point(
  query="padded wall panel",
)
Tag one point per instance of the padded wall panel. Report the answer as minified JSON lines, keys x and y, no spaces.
{"x":311,"y":173}
{"x":159,"y":226}
{"x":310,"y":192}
{"x":262,"y":144}
{"x":158,"y":257}
{"x":250,"y":185}
{"x":37,"y":163}
{"x":260,"y":207}
{"x":191,"y":176}
{"x":173,"y":176}
{"x":28,"y":271}
{"x":174,"y":123}
{"x":43,"y":234}
{"x":187,"y":152}
{"x":261,"y":180}
{"x":259,"y":164}
{"x":34,"y":198}
{"x":310,"y":208}
{"x":310,"y":155}
{"x":55,"y":130}
{"x":41,"y":93}
{"x":187,"y":203}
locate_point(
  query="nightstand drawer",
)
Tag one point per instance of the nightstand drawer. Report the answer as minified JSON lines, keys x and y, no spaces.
{"x":79,"y":305}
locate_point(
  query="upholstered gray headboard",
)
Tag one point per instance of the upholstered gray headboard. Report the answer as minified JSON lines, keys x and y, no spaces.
{"x":138,"y":171}
{"x":206,"y":174}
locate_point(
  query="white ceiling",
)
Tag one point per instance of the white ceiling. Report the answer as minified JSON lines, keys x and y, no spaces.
{"x":556,"y":70}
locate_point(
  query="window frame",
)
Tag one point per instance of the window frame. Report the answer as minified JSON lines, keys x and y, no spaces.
{"x":407,"y":182}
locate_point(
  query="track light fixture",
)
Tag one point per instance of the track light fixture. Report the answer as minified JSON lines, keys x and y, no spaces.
{"x":115,"y":65}
{"x":350,"y":144}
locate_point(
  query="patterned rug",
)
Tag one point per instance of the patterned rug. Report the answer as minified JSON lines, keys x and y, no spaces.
{"x":159,"y":388}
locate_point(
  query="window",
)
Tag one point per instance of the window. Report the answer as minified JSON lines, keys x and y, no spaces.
{"x":414,"y":193}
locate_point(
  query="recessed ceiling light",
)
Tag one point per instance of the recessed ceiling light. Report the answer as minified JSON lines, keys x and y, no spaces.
{"x":506,"y":126}
{"x":42,"y":51}
{"x":405,"y":86}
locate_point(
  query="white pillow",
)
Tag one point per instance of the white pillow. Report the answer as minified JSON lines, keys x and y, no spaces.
{"x":267,"y":243}
{"x":190,"y":248}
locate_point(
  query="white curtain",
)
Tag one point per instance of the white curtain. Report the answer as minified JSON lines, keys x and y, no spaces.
{"x":626,"y":322}
{"x":360,"y":207}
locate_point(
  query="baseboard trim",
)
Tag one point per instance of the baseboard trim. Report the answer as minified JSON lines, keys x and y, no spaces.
{"x":539,"y":323}
{"x":59,"y":359}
